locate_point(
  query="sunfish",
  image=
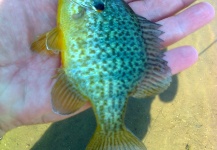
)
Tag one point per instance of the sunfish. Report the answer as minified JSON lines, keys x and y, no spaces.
{"x":108,"y":54}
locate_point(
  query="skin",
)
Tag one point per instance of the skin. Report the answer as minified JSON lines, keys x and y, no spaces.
{"x":26,"y":77}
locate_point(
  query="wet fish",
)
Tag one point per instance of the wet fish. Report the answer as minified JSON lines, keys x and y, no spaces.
{"x":108,"y":53}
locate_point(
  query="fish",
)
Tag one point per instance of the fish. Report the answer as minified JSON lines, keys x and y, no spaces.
{"x":108,"y":54}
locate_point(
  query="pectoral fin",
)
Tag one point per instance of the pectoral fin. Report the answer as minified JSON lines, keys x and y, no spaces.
{"x":66,"y":98}
{"x":48,"y":43}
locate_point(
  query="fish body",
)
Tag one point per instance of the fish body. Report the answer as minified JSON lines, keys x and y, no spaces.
{"x":105,"y":57}
{"x":108,"y":53}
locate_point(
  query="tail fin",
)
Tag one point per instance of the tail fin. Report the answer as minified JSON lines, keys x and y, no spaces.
{"x":119,"y":140}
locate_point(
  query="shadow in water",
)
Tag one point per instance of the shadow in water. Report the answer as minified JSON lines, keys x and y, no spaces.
{"x":74,"y":133}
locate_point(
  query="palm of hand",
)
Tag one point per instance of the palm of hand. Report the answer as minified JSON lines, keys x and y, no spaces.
{"x":26,"y":77}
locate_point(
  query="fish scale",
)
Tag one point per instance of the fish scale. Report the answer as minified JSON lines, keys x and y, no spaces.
{"x":105,"y":58}
{"x":111,"y":47}
{"x":108,"y":54}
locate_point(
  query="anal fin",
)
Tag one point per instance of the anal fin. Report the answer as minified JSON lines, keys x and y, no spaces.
{"x":66,"y":99}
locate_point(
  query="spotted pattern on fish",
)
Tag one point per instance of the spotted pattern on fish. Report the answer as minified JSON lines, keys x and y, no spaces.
{"x":108,"y":53}
{"x":107,"y":63}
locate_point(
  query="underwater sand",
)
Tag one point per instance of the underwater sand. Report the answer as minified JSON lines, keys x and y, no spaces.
{"x":182,"y":118}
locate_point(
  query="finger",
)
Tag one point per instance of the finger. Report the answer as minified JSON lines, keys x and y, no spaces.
{"x":188,"y":21}
{"x":158,"y":9}
{"x":181,"y":58}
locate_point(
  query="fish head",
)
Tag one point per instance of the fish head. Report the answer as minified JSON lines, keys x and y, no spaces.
{"x":75,"y":9}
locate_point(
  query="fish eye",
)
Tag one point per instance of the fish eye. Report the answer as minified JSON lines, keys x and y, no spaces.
{"x":99,"y":6}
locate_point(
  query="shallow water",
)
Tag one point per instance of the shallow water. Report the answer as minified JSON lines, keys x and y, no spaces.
{"x":182,"y":118}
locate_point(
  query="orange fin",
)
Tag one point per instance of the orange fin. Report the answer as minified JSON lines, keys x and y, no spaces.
{"x":66,"y":99}
{"x":118,"y":140}
{"x":48,"y":43}
{"x":54,"y":40}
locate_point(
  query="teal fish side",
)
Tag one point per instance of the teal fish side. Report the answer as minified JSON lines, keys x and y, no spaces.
{"x":113,"y":51}
{"x":108,"y":69}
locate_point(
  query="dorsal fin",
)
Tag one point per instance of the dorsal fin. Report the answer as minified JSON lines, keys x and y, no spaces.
{"x":157,"y":76}
{"x":151,"y":33}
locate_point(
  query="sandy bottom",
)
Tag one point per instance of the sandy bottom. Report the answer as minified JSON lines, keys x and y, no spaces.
{"x":182,"y":118}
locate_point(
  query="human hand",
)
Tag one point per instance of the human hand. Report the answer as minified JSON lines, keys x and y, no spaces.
{"x":26,"y":77}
